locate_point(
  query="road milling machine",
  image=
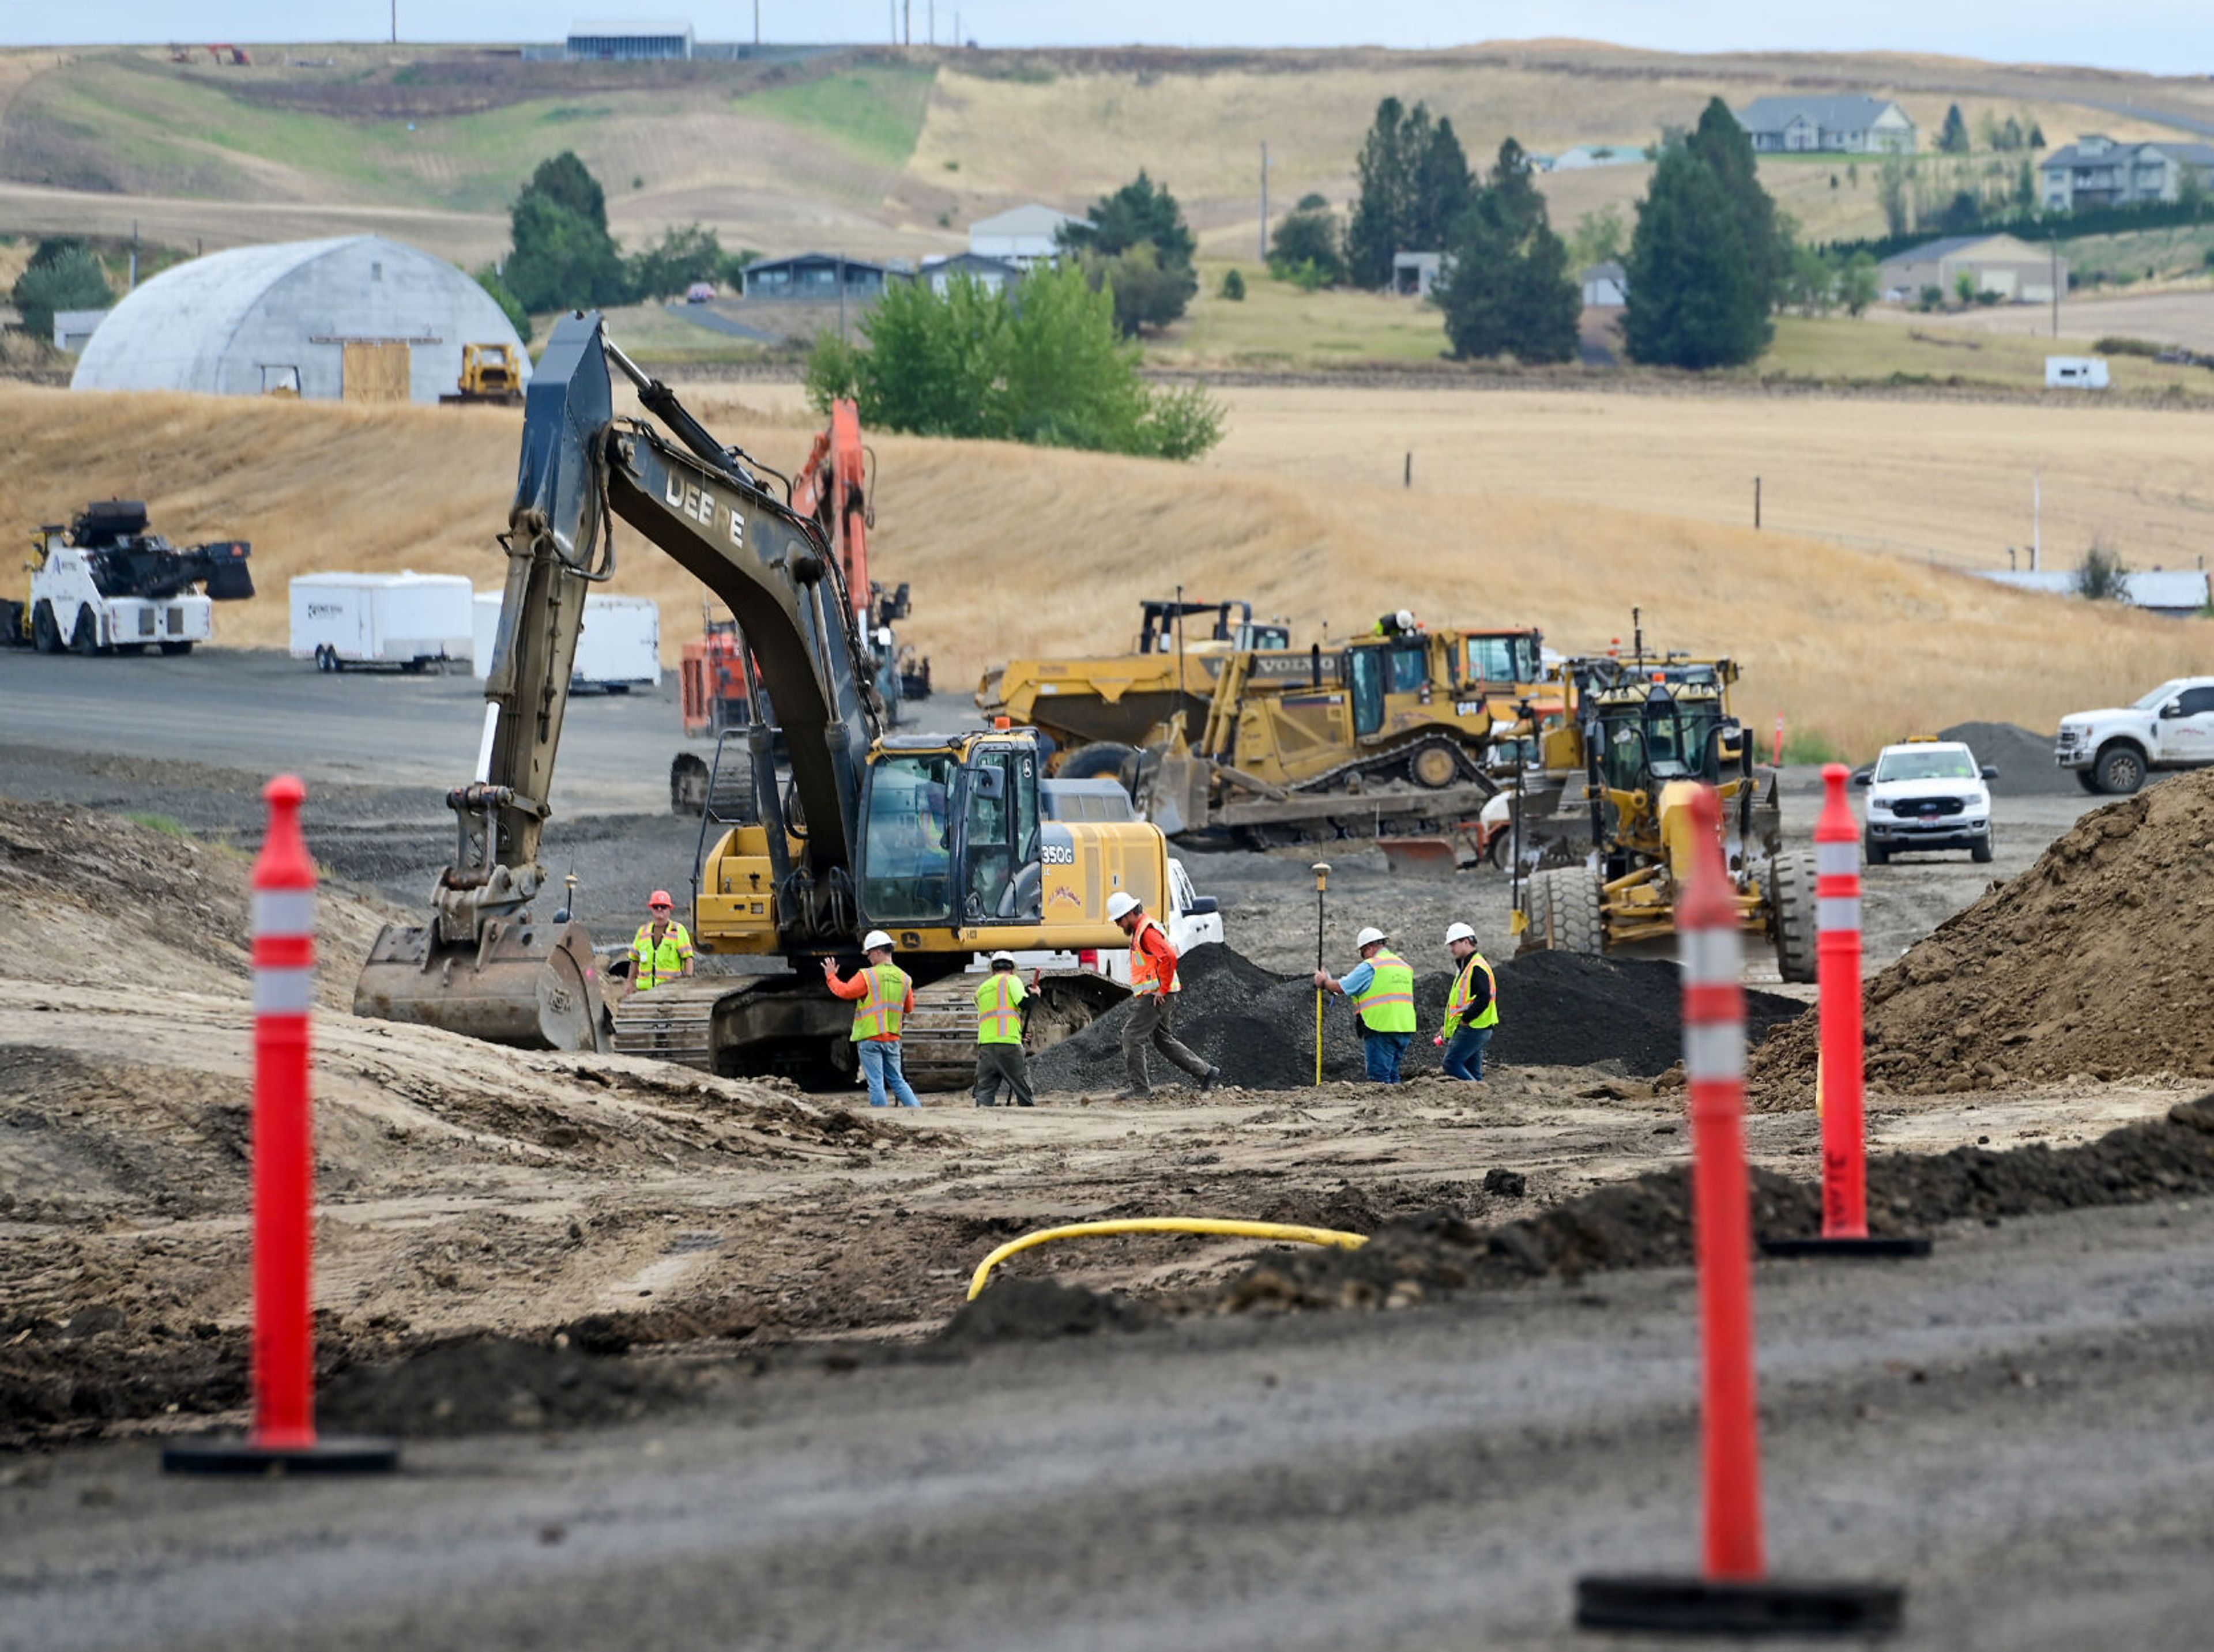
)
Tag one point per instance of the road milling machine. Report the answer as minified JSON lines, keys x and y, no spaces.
{"x":1648,"y":733}
{"x":941,"y":841}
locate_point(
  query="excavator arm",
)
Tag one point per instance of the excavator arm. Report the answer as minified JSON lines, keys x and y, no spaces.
{"x":482,"y":966}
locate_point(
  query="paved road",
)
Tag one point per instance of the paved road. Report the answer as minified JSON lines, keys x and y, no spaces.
{"x":257,"y":711}
{"x":2018,"y":1430}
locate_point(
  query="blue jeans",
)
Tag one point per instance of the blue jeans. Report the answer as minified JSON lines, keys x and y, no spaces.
{"x":1464,"y":1051}
{"x":880,"y":1066}
{"x":1382,"y":1052}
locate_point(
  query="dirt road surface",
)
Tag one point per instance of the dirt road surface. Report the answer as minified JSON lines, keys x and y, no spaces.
{"x":2015,"y":1430}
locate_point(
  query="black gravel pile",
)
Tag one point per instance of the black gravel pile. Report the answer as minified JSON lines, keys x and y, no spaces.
{"x":1556,"y":1010}
{"x":2022,"y":757}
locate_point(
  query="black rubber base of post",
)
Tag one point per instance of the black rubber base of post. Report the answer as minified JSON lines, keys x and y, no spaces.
{"x":336,"y":1454}
{"x":1873,"y":1247}
{"x":1695,"y":1605}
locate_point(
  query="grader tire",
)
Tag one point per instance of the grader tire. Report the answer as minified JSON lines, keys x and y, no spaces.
{"x":1564,"y":911}
{"x":1791,"y":888}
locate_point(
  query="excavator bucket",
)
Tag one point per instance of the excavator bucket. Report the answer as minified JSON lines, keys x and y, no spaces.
{"x":535,"y":987}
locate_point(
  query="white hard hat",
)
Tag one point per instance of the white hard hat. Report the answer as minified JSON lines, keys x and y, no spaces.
{"x":874,"y":939}
{"x":1368,"y":937}
{"x":1121,"y":904}
{"x":1459,"y":932}
{"x":1006,"y":958}
{"x":1406,"y":618}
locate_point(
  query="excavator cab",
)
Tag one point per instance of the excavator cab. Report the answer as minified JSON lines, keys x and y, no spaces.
{"x":950,"y":835}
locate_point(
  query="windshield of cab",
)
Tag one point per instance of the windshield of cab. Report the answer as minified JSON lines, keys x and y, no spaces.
{"x":1927,"y":763}
{"x":2160,"y":697}
{"x":906,"y":858}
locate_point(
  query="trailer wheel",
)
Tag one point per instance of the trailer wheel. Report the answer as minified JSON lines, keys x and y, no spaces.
{"x":176,"y":647}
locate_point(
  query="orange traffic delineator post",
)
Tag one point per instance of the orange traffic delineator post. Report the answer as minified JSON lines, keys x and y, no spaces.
{"x":283,"y":1437}
{"x":1839,"y":1076}
{"x":1735,"y":1593}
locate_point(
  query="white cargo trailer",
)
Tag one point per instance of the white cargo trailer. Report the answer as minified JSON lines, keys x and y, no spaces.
{"x":618,"y":649}
{"x":409,"y":620}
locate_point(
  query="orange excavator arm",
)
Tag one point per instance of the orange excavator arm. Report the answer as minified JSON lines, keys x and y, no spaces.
{"x":832,"y":488}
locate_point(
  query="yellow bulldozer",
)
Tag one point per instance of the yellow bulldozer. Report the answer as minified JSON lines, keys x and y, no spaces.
{"x":1650,"y":732}
{"x":491,"y":376}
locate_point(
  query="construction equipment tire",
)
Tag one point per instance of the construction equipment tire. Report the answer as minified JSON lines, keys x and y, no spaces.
{"x":688,"y":784}
{"x":46,"y":635}
{"x":1791,"y":893}
{"x":1101,"y":759}
{"x":85,"y":637}
{"x":1564,"y":911}
{"x":176,"y":647}
{"x":1434,"y":766}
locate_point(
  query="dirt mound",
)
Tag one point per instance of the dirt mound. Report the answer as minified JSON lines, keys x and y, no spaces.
{"x":474,"y":1385}
{"x":2022,"y":757}
{"x":2087,"y":963}
{"x":1647,"y":1221}
{"x":1017,"y":1309}
{"x":1558,"y":1009}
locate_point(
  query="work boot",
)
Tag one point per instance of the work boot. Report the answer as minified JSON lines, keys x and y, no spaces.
{"x":1134,"y":1095}
{"x":1212,"y":1078}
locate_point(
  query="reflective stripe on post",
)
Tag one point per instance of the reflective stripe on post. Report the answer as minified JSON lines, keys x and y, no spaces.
{"x":1838,"y":971}
{"x":283,"y":1148}
{"x":1712,"y":956}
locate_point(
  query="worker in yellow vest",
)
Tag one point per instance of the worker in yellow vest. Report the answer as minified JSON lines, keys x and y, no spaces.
{"x":883,"y":998}
{"x":662,"y":949}
{"x":1382,"y":989}
{"x":1471,"y":1009}
{"x":1000,"y":1058}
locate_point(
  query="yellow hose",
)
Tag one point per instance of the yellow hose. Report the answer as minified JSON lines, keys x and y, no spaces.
{"x":1165,"y":1225}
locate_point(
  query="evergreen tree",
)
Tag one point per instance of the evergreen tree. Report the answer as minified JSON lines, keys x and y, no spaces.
{"x":1508,"y":290}
{"x":1439,"y":189}
{"x":1414,"y":187}
{"x":1137,"y":242}
{"x":1306,"y":242}
{"x":1953,"y":139}
{"x":1722,"y":144}
{"x":1695,"y":298}
{"x":1371,"y":237}
{"x":563,"y":256}
{"x":63,"y":274}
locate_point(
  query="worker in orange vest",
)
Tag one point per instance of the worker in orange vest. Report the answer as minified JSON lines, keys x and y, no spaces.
{"x":883,"y":997}
{"x":1153,"y":987}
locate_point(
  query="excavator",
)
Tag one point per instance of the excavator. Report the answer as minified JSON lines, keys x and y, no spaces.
{"x":946,"y":842}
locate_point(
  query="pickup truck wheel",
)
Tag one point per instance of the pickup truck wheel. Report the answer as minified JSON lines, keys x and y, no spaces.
{"x":2121,"y":770}
{"x":1980,"y":850}
{"x":1878,"y":854}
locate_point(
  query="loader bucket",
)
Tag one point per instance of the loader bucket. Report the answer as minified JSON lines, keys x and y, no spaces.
{"x":1420,"y":858}
{"x":536,"y":987}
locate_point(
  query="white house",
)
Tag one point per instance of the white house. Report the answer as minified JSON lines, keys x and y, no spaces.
{"x":1847,"y":124}
{"x":992,"y":274}
{"x":1022,"y":235}
{"x":2096,"y":171}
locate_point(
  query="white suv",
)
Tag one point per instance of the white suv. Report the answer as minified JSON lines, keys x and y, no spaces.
{"x":1926,"y":794}
{"x":2115,"y":750}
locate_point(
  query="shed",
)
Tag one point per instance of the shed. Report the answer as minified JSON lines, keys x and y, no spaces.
{"x":2003,"y":266}
{"x":1022,"y":235}
{"x":2076,"y":372}
{"x":1415,"y":274}
{"x":73,"y":329}
{"x":359,"y":318}
{"x":1607,"y":286}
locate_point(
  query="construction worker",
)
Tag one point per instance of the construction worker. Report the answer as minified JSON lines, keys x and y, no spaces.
{"x":1382,"y":988}
{"x":883,"y":998}
{"x":662,"y":949}
{"x":1153,"y":987}
{"x":1000,"y":1055}
{"x":1471,"y":1009}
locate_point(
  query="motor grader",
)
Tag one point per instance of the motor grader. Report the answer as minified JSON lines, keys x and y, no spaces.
{"x":1650,"y":734}
{"x":941,"y":841}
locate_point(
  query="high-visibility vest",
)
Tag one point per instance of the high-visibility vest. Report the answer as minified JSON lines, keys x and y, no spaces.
{"x":877,"y":1013}
{"x":1145,"y":970}
{"x":1463,"y":994}
{"x":999,"y":1008}
{"x":1386,"y":1004}
{"x":658,"y":963}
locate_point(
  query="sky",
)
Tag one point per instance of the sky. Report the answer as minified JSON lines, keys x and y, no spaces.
{"x":2169,"y":37}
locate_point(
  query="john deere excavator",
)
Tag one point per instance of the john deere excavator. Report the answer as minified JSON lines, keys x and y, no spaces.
{"x":938,"y":840}
{"x":1650,"y":733}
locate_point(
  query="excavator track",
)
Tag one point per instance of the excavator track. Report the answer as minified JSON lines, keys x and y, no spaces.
{"x":676,"y":1022}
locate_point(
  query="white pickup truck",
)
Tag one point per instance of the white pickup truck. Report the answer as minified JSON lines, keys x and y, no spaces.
{"x":2115,"y":750}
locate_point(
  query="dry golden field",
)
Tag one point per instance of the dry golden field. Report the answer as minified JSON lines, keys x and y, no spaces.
{"x":1561,"y":511}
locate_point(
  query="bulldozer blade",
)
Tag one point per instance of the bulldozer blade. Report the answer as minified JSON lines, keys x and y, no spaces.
{"x":1420,"y":858}
{"x":1177,"y":797}
{"x":536,"y":988}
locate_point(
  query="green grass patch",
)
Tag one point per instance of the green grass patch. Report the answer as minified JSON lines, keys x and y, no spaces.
{"x":168,"y":827}
{"x":1805,"y":746}
{"x":873,"y":111}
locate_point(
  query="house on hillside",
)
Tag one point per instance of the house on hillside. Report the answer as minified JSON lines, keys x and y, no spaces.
{"x":629,"y":43}
{"x":992,"y":274}
{"x":806,"y":275}
{"x":2096,"y":171}
{"x":2013,"y":269}
{"x":1607,"y":286}
{"x":1022,"y":235}
{"x":1847,"y":124}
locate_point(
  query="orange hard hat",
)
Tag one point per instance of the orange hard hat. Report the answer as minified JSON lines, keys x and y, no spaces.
{"x":660,"y":899}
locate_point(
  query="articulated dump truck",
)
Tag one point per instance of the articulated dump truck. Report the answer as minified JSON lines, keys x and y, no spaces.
{"x":944,"y":842}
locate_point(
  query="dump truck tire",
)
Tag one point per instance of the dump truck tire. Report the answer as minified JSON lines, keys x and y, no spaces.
{"x":1564,"y":906}
{"x":1791,"y":888}
{"x":1101,"y":759}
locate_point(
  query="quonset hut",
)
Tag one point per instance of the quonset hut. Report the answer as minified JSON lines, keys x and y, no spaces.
{"x":358,"y":319}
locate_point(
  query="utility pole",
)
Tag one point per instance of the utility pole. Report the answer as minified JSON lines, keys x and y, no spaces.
{"x":930,"y":19}
{"x":1264,"y":203}
{"x":756,"y":22}
{"x":395,"y":22}
{"x":134,"y":256}
{"x":907,"y":21}
{"x":1756,"y":505}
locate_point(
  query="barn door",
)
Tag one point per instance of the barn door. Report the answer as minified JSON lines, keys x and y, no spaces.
{"x":375,"y":370}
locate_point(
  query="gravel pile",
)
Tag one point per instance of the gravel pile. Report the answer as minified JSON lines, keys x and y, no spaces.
{"x":1558,"y":1009}
{"x":2022,"y":757}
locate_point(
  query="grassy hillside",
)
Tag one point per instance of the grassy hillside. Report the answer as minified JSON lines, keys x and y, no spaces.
{"x":1849,"y":644}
